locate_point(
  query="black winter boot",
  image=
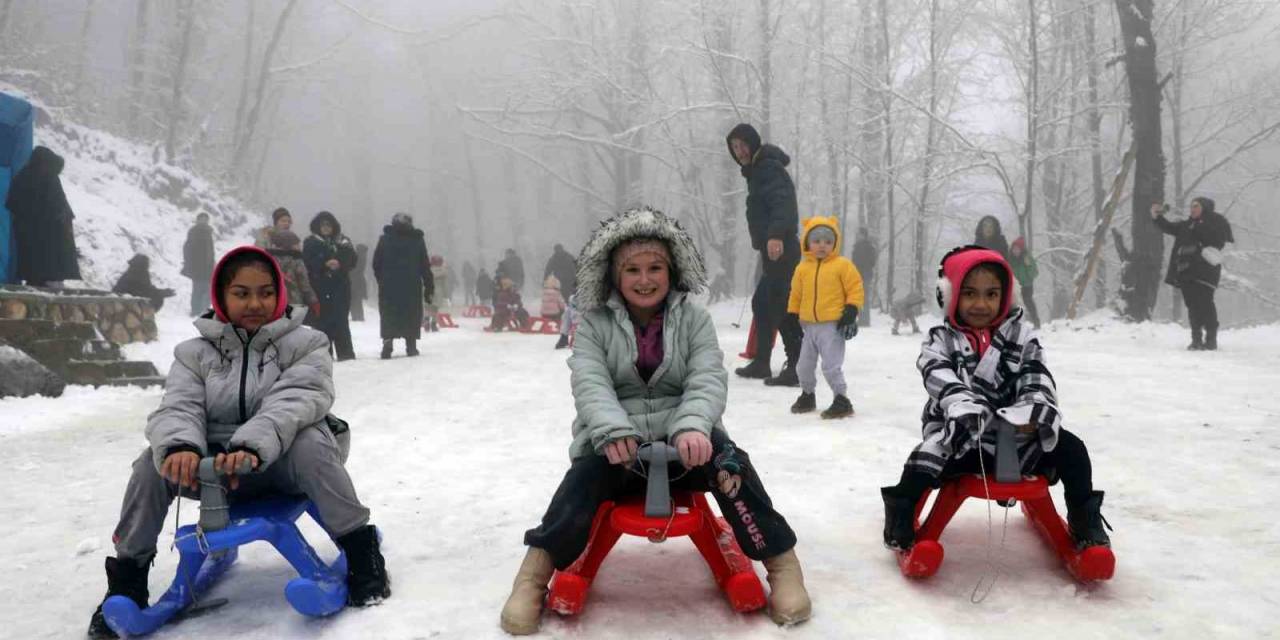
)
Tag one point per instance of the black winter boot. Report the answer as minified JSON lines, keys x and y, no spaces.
{"x":563,"y":342}
{"x":367,"y":580}
{"x":899,"y":520}
{"x":1197,"y":343}
{"x":1211,"y":338}
{"x":757,"y":369}
{"x":1087,"y":526}
{"x":386,"y":350}
{"x":785,"y":378}
{"x":840,"y":408}
{"x":125,"y":577}
{"x":805,"y":403}
{"x":411,"y":347}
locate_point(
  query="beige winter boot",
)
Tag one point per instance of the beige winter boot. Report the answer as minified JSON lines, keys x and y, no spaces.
{"x":788,"y":599}
{"x":523,"y":611}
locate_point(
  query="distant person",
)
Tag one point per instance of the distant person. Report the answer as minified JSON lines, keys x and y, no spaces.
{"x":440,"y":276}
{"x":989,"y":236}
{"x":562,"y":265}
{"x":330,"y":257}
{"x":485,"y":287}
{"x":553,"y":303}
{"x":469,"y":280}
{"x":906,"y":310}
{"x":508,"y":308}
{"x":1025,"y":271}
{"x":197,"y":262}
{"x":1195,"y":265}
{"x":403,"y":271}
{"x":42,"y":223}
{"x":136,"y":281}
{"x":864,"y":258}
{"x":281,"y":220}
{"x":286,"y":248}
{"x":513,"y":267}
{"x":359,"y":283}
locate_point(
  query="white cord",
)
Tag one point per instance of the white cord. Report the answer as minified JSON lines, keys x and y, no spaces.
{"x":994,"y":567}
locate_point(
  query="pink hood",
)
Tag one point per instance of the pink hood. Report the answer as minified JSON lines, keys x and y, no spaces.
{"x":957,"y":265}
{"x":282,"y":295}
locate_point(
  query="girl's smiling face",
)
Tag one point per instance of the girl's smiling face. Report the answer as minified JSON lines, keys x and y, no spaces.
{"x":644,"y":281}
{"x":980,"y":299}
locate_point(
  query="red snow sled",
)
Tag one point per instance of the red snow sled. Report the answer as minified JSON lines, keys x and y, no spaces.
{"x":692,"y":517}
{"x":445,"y":321}
{"x":924,"y":558}
{"x":540,"y":324}
{"x":478,"y":311}
{"x":750,"y":352}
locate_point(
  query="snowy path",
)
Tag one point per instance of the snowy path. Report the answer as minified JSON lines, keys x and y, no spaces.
{"x":457,"y":452}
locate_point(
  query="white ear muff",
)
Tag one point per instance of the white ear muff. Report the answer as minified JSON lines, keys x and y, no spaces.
{"x":1015,"y":292}
{"x":944,"y":293}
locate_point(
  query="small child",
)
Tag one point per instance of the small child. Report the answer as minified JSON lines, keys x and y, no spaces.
{"x":507,"y":305}
{"x":255,"y":386}
{"x":552,"y":299}
{"x":286,"y":247}
{"x":984,"y":361}
{"x":826,"y":293}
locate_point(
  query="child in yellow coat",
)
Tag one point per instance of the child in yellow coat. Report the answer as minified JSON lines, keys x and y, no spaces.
{"x":826,"y":293}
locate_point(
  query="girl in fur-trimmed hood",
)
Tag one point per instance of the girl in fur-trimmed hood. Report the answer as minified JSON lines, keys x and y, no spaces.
{"x":647,"y":367}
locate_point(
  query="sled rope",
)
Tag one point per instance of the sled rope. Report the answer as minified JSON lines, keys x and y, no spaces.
{"x":994,"y":567}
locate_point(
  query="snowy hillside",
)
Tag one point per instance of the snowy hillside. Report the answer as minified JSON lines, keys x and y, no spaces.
{"x":126,"y":202}
{"x":458,"y":452}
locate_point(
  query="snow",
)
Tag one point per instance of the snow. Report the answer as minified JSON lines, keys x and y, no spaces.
{"x":457,"y":453}
{"x":1140,"y":42}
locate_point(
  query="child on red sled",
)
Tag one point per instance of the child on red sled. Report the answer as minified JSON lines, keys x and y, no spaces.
{"x":984,"y":360}
{"x":508,"y":309}
{"x":647,"y":367}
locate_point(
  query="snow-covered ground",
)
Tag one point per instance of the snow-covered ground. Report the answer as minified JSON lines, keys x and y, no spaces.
{"x":458,"y":451}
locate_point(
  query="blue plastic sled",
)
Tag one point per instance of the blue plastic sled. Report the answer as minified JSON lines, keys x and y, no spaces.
{"x":320,"y":589}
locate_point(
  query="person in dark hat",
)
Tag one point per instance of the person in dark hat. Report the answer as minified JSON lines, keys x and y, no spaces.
{"x":1195,"y":265}
{"x":136,"y":281}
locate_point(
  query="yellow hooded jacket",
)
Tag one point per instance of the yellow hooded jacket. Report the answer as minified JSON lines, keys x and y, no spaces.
{"x":821,"y":288}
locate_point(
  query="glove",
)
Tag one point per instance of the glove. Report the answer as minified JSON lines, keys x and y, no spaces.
{"x":848,"y":324}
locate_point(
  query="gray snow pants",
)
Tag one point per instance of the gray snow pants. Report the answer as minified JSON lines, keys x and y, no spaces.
{"x":821,"y":339}
{"x":312,"y":466}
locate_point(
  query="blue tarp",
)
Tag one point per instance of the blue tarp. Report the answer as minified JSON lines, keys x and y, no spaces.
{"x":16,"y":137}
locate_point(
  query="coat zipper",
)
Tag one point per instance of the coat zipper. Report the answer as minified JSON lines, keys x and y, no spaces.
{"x":244,"y":373}
{"x":816,"y":271}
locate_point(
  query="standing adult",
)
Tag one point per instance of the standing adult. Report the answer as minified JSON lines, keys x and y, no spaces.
{"x":469,"y":283}
{"x":513,"y":267}
{"x":330,"y":257}
{"x":281,"y":220}
{"x":197,"y":262}
{"x":773,"y":221}
{"x":403,"y":271}
{"x":1195,"y":265}
{"x":864,"y":257}
{"x":562,"y":265}
{"x":989,"y":236}
{"x":42,"y":222}
{"x":1025,"y":271}
{"x":359,"y":283}
{"x":484,"y":287}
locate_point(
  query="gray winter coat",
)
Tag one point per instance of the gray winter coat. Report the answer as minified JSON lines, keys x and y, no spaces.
{"x":234,"y":390}
{"x":687,"y":392}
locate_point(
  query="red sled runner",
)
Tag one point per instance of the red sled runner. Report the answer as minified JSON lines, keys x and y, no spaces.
{"x":692,"y":517}
{"x":925,"y":557}
{"x":539,"y":324}
{"x":445,"y":321}
{"x":478,"y":311}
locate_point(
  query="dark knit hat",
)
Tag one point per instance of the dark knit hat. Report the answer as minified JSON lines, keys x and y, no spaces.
{"x":279,"y":213}
{"x":747,"y":134}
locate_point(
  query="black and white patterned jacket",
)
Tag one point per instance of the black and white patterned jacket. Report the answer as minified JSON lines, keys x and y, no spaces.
{"x":965,"y":392}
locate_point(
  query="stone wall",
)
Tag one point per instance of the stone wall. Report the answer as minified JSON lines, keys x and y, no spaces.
{"x":120,"y":319}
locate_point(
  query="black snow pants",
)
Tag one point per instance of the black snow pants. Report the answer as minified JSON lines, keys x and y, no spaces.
{"x":769,"y":305}
{"x":591,"y":480}
{"x":1202,"y":313}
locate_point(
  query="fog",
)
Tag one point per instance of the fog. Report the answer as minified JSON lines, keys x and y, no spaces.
{"x":520,"y":124}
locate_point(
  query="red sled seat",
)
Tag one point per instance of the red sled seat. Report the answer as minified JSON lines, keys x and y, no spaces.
{"x":540,"y":324}
{"x":445,"y":321}
{"x":478,"y":311}
{"x":924,"y":558}
{"x":693,"y":517}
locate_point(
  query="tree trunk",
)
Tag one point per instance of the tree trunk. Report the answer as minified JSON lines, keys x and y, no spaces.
{"x":1025,"y":227}
{"x":766,"y":70}
{"x":887,"y":97}
{"x":137,"y":69}
{"x":1095,"y":136}
{"x":1175,"y":121}
{"x":477,"y":206}
{"x":240,"y":155}
{"x":82,"y":54}
{"x":246,"y":78}
{"x":1149,"y":174}
{"x":187,"y":13}
{"x":918,"y":239}
{"x":1100,"y":231}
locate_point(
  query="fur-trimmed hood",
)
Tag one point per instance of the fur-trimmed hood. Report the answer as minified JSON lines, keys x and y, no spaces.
{"x":594,"y":263}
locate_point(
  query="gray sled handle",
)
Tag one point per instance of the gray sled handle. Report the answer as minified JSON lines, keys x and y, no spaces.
{"x":657,"y":496}
{"x":1008,"y":468}
{"x":215,"y":513}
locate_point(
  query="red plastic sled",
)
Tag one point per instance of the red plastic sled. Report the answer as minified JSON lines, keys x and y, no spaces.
{"x":445,"y":321}
{"x":539,"y":324}
{"x":478,"y":311}
{"x":694,"y":518}
{"x":924,"y":558}
{"x":750,"y":352}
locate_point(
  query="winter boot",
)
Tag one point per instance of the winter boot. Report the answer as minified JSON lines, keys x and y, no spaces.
{"x":788,"y":599}
{"x":367,"y":580}
{"x":386,"y":350}
{"x":899,"y":520}
{"x":1197,"y":344}
{"x":411,"y":347}
{"x":434,"y":325}
{"x":756,"y":369}
{"x":563,"y":342}
{"x":805,"y":403}
{"x":523,"y":610}
{"x":840,"y":408}
{"x":125,"y":577}
{"x":785,"y":378}
{"x":1088,"y":527}
{"x":1211,"y":338}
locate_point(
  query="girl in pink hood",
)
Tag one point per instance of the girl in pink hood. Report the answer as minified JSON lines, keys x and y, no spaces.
{"x":985,"y":361}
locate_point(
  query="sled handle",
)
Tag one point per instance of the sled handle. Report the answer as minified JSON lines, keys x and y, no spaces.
{"x":214,"y":510}
{"x":657,"y":495}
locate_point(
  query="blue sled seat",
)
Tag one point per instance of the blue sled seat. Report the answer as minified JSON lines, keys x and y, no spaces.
{"x":319,"y":590}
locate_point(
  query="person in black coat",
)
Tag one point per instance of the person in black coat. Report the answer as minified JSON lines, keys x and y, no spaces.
{"x":562,"y":265}
{"x":359,"y":283}
{"x":989,"y":236}
{"x":1195,"y":265}
{"x":864,"y":257}
{"x":330,"y":257}
{"x":136,"y":281}
{"x":403,"y":271}
{"x":42,"y":222}
{"x":197,"y":262}
{"x":773,"y":221}
{"x":513,"y":267}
